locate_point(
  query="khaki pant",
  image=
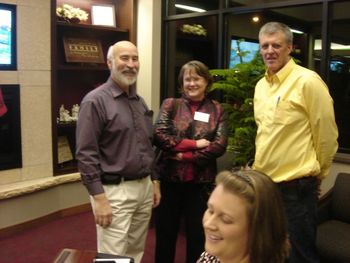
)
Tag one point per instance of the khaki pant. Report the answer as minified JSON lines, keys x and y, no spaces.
{"x":131,"y":203}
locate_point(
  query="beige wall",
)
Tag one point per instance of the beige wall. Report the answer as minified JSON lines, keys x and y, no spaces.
{"x":34,"y":77}
{"x":25,"y":208}
{"x":148,"y":42}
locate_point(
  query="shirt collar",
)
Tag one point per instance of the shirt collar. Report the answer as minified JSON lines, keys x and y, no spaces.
{"x":117,"y":91}
{"x":282,"y":73}
{"x":189,"y":101}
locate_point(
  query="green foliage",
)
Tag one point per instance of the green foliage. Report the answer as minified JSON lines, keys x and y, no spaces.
{"x":238,"y":86}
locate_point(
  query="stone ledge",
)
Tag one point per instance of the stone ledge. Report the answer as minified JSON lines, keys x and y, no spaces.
{"x":30,"y":186}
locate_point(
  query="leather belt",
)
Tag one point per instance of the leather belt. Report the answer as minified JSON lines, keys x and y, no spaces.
{"x":110,"y":178}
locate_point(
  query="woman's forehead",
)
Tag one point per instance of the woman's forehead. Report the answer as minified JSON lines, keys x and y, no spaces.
{"x":191,"y":71}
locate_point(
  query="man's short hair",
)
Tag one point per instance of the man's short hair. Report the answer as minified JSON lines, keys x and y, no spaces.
{"x":273,"y":27}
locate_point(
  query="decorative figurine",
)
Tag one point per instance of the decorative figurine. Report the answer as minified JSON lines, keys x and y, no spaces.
{"x":64,"y":114}
{"x":75,"y":111}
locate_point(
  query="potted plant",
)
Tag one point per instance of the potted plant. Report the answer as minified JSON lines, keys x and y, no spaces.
{"x":237,"y":85}
{"x":71,"y":14}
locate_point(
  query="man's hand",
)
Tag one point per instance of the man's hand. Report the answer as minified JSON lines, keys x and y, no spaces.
{"x":202,"y":143}
{"x":156,"y":193}
{"x":102,"y":210}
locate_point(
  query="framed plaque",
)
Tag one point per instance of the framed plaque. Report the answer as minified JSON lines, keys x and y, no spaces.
{"x":83,"y":50}
{"x":103,"y":15}
{"x":64,"y":152}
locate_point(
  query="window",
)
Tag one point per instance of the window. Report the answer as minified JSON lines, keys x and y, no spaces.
{"x":176,"y":7}
{"x":339,"y":71}
{"x":242,"y":19}
{"x":8,"y":59}
{"x":185,"y":44}
{"x":242,"y":51}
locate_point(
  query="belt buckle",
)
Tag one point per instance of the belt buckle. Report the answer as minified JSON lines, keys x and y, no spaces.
{"x":111,"y":179}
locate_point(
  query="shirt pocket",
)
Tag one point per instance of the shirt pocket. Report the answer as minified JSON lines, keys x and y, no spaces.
{"x":283,"y":113}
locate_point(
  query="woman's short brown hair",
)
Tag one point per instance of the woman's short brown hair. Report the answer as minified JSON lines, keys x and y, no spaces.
{"x":198,"y":67}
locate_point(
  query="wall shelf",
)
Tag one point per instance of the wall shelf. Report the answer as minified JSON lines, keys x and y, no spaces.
{"x":71,"y":81}
{"x":82,"y":67}
{"x":73,"y":26}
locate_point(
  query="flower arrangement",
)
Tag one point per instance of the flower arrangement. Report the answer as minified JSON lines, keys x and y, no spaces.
{"x":71,"y":14}
{"x":194,"y":29}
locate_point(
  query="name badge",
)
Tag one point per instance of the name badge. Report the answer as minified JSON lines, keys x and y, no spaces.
{"x":201,"y":116}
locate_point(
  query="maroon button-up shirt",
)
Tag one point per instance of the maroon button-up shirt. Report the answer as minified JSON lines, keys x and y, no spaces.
{"x":114,"y":135}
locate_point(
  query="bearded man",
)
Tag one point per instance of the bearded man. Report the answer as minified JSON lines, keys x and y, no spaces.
{"x":115,"y":156}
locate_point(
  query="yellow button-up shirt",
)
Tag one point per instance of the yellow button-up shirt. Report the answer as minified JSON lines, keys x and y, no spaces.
{"x":297,"y":134}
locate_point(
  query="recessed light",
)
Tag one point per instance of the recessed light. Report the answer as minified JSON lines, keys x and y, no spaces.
{"x":255,"y":19}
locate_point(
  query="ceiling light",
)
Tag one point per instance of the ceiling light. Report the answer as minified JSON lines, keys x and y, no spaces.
{"x":190,"y":8}
{"x":255,"y":19}
{"x":296,"y":31}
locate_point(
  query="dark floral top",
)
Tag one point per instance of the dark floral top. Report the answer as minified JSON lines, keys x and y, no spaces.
{"x":176,"y":122}
{"x":207,"y":258}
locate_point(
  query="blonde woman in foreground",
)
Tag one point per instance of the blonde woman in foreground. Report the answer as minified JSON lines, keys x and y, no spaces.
{"x":245,"y":220}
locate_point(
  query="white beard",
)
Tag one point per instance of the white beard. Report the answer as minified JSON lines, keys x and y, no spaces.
{"x":123,"y":79}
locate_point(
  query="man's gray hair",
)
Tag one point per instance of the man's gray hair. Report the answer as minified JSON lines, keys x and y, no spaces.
{"x":110,"y":53}
{"x":274,"y":27}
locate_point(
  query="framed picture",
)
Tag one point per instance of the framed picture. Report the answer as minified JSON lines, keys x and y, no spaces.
{"x":83,"y":50}
{"x":63,"y":149}
{"x":103,"y":15}
{"x":10,"y":128}
{"x":8,"y":50}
